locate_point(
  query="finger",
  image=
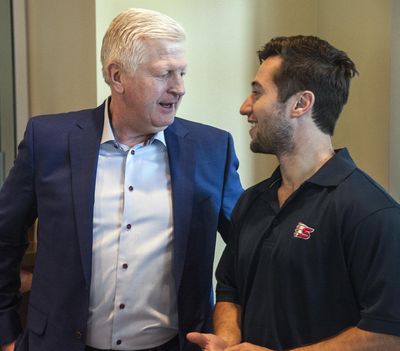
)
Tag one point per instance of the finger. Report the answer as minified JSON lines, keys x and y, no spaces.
{"x":8,"y":347}
{"x":197,"y":338}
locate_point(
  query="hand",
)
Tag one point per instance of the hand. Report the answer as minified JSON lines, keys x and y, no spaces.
{"x":207,"y":342}
{"x":8,"y":347}
{"x":247,"y":347}
{"x":26,"y":281}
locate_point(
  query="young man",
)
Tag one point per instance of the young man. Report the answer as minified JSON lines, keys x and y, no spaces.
{"x":313,"y":262}
{"x":128,"y":200}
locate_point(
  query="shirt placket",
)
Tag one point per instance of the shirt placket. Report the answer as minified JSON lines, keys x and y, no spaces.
{"x":123,"y":277}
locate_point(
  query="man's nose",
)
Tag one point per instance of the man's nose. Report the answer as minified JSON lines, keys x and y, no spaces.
{"x":245,"y":109}
{"x":178,"y":85}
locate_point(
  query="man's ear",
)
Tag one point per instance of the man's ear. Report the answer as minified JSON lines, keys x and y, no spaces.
{"x":303,"y":102}
{"x":115,"y":74}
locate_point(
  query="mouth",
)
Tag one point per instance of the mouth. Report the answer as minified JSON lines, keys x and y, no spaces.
{"x":253,"y":123}
{"x":252,"y":131}
{"x":167,"y":105}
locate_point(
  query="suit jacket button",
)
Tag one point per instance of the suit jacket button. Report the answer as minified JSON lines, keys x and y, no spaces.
{"x":78,"y":334}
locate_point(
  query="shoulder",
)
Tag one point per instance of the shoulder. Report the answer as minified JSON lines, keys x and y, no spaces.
{"x":196,"y":128}
{"x":53,"y":125}
{"x":55,"y":130}
{"x":249,"y":198}
{"x":362,"y":190}
{"x":66,"y":117}
{"x":211,"y":142}
{"x":360,"y":199}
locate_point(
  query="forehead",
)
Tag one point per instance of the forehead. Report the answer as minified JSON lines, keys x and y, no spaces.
{"x":156,"y":50}
{"x":267,"y":70}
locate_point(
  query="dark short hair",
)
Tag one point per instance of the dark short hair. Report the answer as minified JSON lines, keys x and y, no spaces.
{"x":310,"y":63}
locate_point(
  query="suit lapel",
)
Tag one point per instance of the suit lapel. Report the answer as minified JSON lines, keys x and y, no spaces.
{"x":84,"y":144}
{"x":182,"y":166}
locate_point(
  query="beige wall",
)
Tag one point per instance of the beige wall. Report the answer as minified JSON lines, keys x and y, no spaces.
{"x":362,"y":28}
{"x":394,"y":161}
{"x":62,"y":55}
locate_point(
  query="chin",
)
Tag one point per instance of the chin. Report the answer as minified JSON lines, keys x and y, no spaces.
{"x":259,"y":148}
{"x":160,"y":127}
{"x":165,"y":122}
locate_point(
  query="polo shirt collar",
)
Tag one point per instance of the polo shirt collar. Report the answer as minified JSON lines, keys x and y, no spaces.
{"x":332,"y":173}
{"x":275,"y":178}
{"x":335,"y":170}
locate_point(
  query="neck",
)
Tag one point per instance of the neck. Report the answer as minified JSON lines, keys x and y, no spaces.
{"x":296,"y":169}
{"x":122,"y":130}
{"x":128,"y":138}
{"x":298,"y":166}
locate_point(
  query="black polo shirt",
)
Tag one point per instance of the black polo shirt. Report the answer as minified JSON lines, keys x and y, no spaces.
{"x":328,"y":259}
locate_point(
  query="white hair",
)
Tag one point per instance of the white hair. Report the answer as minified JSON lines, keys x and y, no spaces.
{"x":124,"y":41}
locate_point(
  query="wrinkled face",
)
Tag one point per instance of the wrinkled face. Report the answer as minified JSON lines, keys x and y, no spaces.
{"x":271,"y":131}
{"x":153,"y":92}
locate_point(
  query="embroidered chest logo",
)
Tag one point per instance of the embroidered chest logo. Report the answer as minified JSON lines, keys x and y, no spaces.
{"x":303,"y":231}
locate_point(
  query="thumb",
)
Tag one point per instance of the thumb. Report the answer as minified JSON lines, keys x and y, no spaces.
{"x":8,"y":347}
{"x":197,"y":338}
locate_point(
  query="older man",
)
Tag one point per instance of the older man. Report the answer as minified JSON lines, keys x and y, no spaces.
{"x":129,"y":199}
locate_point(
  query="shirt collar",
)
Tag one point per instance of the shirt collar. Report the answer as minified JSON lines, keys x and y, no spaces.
{"x":275,"y":178}
{"x":332,"y":173}
{"x":108,"y":135}
{"x":335,"y":170}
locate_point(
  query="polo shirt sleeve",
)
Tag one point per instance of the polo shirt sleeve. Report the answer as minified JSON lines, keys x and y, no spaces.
{"x":226,"y":285}
{"x":226,"y":275}
{"x":373,"y":255}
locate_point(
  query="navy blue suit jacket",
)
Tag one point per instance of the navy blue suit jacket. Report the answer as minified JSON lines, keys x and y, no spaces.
{"x":53,"y":179}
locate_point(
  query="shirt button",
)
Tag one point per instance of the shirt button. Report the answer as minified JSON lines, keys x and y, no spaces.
{"x":119,"y":342}
{"x":275,"y":221}
{"x":125,"y":266}
{"x":132,"y":152}
{"x":128,"y":226}
{"x":78,"y":334}
{"x":121,"y":306}
{"x":130,"y":188}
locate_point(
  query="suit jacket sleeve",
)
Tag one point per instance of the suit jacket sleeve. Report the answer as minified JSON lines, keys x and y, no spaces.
{"x":17,"y":213}
{"x":231,"y":191}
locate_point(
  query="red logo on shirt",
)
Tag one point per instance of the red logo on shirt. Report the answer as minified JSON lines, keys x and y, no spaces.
{"x":303,"y":231}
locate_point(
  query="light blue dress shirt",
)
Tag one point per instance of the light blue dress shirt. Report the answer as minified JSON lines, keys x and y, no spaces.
{"x":132,"y":297}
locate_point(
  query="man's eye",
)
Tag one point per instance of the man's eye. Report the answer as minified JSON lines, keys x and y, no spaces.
{"x":164,"y":74}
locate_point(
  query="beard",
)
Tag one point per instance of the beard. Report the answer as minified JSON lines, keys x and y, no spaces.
{"x":274,"y":134}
